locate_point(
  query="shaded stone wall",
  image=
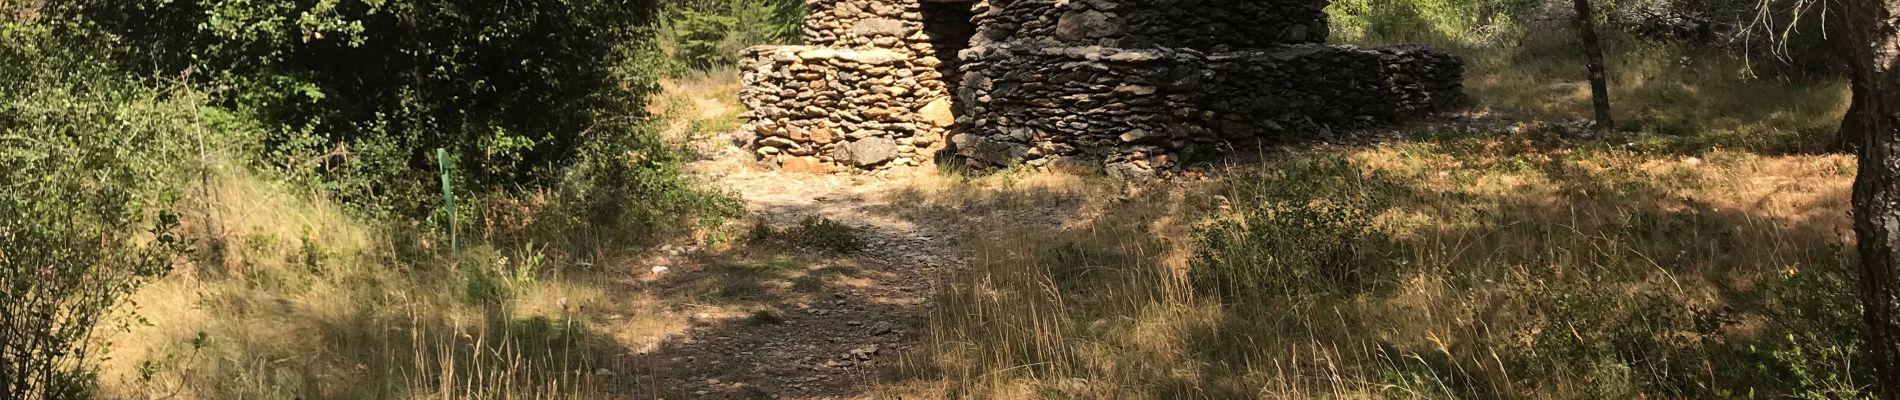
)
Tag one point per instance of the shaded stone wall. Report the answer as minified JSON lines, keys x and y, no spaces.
{"x":1138,"y":111}
{"x":1137,"y":87}
{"x":1206,"y":25}
{"x":1133,"y":86}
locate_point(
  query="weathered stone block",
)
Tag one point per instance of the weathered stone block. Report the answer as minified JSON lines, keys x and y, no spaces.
{"x":869,"y":151}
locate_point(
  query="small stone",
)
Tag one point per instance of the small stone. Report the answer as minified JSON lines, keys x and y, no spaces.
{"x":937,"y":112}
{"x":1136,"y":135}
{"x":818,"y":54}
{"x":822,"y":135}
{"x":864,"y":353}
{"x":1086,"y":24}
{"x":1138,"y":90}
{"x":779,"y":142}
{"x":804,"y":165}
{"x":869,"y":151}
{"x":660,"y":270}
{"x":878,"y":26}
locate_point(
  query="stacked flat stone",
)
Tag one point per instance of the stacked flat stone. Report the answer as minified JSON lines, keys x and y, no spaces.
{"x":1104,"y":84}
{"x":815,"y":108}
{"x":866,"y":92}
{"x":1208,"y":25}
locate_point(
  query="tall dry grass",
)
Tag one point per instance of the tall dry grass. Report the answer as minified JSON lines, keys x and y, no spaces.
{"x":1697,"y":254}
{"x":1470,"y":266}
{"x":303,"y":300}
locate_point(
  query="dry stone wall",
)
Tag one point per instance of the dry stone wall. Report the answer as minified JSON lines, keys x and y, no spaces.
{"x":864,"y":24}
{"x":1207,"y":25}
{"x":1137,"y":87}
{"x":816,"y":108}
{"x":867,"y":92}
{"x":1142,"y":110}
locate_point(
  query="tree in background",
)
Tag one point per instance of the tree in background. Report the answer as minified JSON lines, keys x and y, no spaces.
{"x":1874,"y":58}
{"x":1593,"y":50}
{"x":701,"y":34}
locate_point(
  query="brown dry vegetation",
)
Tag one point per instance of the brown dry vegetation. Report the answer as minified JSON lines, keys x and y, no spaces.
{"x":1700,"y":255}
{"x":1498,"y":267}
{"x":299,"y":298}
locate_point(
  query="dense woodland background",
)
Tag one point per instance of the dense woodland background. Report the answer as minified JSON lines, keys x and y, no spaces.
{"x":242,"y":198}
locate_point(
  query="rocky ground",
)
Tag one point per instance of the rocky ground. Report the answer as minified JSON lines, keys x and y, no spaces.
{"x":828,"y":341}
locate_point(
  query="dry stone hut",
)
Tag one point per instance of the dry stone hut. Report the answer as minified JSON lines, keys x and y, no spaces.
{"x":1132,"y":86}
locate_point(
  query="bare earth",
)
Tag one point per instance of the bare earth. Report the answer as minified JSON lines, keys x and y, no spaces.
{"x":830,"y":342}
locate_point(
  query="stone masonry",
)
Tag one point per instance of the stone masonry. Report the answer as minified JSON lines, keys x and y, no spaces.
{"x":866,"y":92}
{"x":1135,"y":87}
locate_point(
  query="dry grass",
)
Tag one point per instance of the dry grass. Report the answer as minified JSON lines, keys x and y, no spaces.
{"x":292,"y":296}
{"x":304,"y":301}
{"x":1512,"y":266}
{"x":1690,"y":260}
{"x":699,"y":104}
{"x":1688,"y":98}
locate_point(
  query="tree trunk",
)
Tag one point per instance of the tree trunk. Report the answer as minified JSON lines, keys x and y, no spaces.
{"x":1849,"y":138}
{"x":1874,"y":58}
{"x":1593,"y":49}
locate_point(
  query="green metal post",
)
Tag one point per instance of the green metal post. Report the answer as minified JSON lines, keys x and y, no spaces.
{"x":448,"y":200}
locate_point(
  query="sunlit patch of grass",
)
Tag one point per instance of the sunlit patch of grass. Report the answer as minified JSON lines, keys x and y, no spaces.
{"x":700,"y":103}
{"x":1686,"y":99}
{"x":307,"y":302}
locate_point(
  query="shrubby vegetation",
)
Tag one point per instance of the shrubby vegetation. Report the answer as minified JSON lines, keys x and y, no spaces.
{"x":362,"y":93}
{"x":86,"y":216}
{"x":280,"y":156}
{"x":257,"y":178}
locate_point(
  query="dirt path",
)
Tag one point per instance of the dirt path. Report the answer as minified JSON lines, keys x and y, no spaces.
{"x":831,"y":339}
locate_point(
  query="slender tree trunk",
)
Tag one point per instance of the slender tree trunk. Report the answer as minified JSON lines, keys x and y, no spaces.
{"x":1593,"y":49}
{"x":1875,"y":61}
{"x":1848,"y":139}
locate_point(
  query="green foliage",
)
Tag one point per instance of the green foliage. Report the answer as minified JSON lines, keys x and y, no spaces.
{"x":701,"y":34}
{"x":490,"y":278}
{"x":1434,"y":21}
{"x":360,"y":91}
{"x":85,"y":161}
{"x":1775,"y":35}
{"x":111,"y":112}
{"x":1818,"y":347}
{"x":628,"y":189}
{"x":355,"y":96}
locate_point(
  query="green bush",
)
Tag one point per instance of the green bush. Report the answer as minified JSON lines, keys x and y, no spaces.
{"x":84,"y":165}
{"x":362,"y":92}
